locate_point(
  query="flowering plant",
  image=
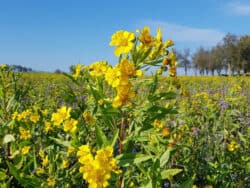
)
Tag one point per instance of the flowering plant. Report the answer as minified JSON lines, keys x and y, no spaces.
{"x":103,"y":134}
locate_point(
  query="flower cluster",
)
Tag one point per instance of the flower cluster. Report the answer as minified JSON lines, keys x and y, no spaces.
{"x":77,"y":71}
{"x":119,"y":78}
{"x":26,"y":115}
{"x":63,"y":116}
{"x":232,"y":146}
{"x":97,"y":68}
{"x":97,"y":170}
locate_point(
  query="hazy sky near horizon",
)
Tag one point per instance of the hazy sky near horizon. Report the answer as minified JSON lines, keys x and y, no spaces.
{"x":46,"y":35}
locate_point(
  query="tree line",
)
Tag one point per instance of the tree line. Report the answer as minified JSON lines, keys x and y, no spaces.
{"x":231,"y":55}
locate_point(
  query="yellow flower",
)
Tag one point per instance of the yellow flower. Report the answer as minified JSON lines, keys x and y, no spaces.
{"x":83,"y":150}
{"x":70,"y":125}
{"x":41,"y":153}
{"x":48,"y":126}
{"x":77,"y":71}
{"x":40,"y":171}
{"x":232,"y":146}
{"x":44,"y":112}
{"x":25,"y":150}
{"x":112,"y":77}
{"x":98,"y":68}
{"x":146,"y":38}
{"x":159,"y":35}
{"x":14,"y":115}
{"x":158,"y":124}
{"x":169,"y":43}
{"x":65,"y":164}
{"x":71,"y":149}
{"x":124,"y":42}
{"x":139,"y":73}
{"x":24,"y":134}
{"x":100,"y":102}
{"x":45,"y":161}
{"x":62,"y":114}
{"x":51,"y":181}
{"x":34,"y":118}
{"x":165,"y":131}
{"x":96,"y":170}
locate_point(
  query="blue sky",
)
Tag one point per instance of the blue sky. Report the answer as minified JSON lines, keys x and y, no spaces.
{"x":53,"y":34}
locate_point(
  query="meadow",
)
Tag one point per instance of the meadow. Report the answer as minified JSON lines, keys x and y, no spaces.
{"x":113,"y":126}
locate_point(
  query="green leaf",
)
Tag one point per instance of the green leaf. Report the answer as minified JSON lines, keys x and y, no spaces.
{"x":25,"y":180}
{"x":154,"y":85}
{"x":60,"y":142}
{"x":149,"y":185}
{"x":8,"y":138}
{"x":169,"y":173}
{"x":242,"y":137}
{"x":101,"y":139}
{"x":114,"y":139}
{"x":3,"y":175}
{"x":130,"y":159}
{"x":165,"y":157}
{"x":189,"y":183}
{"x":10,"y":102}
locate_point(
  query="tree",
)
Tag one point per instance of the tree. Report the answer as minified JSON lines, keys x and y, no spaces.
{"x":183,"y":59}
{"x":244,"y":51}
{"x":201,"y":60}
{"x":230,"y":43}
{"x":217,"y":59}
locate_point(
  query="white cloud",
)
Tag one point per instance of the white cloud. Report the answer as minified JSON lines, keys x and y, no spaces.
{"x":192,"y":36}
{"x":239,"y":8}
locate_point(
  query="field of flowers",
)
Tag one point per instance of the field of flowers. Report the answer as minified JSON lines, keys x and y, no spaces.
{"x":112,"y":126}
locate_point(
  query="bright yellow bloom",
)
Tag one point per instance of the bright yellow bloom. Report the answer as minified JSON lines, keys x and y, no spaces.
{"x":71,"y":149}
{"x":165,"y":131}
{"x":169,"y":43}
{"x":124,"y":95}
{"x":24,"y":134}
{"x":124,"y":42}
{"x":40,"y":171}
{"x":96,"y":170}
{"x":98,"y":68}
{"x":51,"y":181}
{"x":15,"y":115}
{"x":25,"y":150}
{"x":100,"y":102}
{"x":158,"y":124}
{"x":44,"y":112}
{"x":77,"y":70}
{"x":83,"y":150}
{"x":65,"y":164}
{"x":48,"y":126}
{"x":26,"y":113}
{"x":139,"y":73}
{"x":173,"y":64}
{"x":232,"y":146}
{"x":70,"y":125}
{"x":34,"y":118}
{"x":159,"y":35}
{"x":62,"y":114}
{"x":146,"y":38}
{"x":45,"y":161}
{"x":88,"y":117}
{"x":41,"y":153}
{"x":112,"y":77}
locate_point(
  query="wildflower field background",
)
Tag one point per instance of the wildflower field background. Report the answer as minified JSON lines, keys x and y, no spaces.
{"x":113,"y":126}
